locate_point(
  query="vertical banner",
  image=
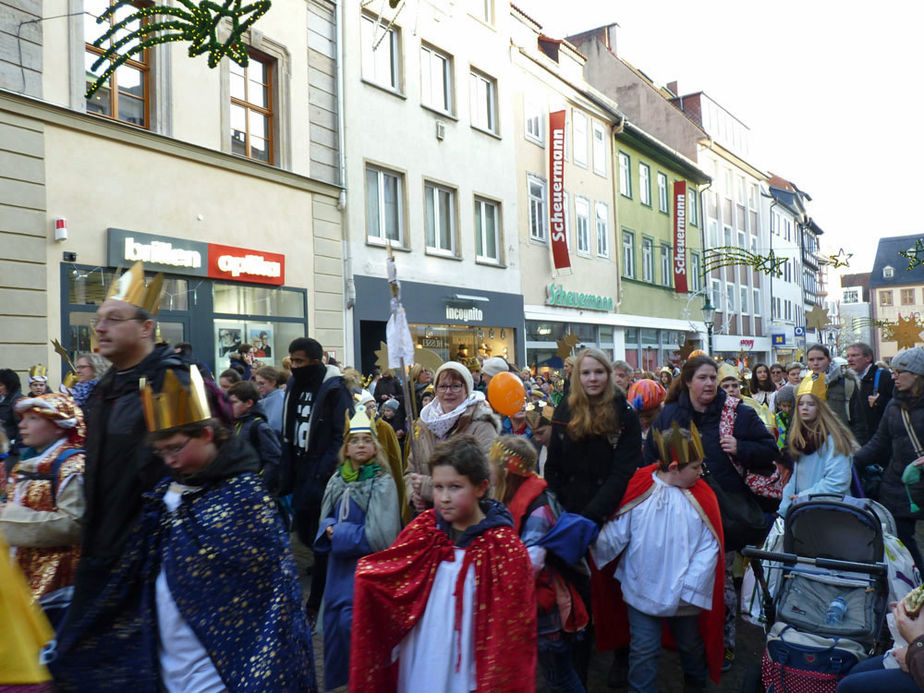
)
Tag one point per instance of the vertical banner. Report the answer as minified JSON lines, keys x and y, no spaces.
{"x":557,"y":229}
{"x":680,"y":237}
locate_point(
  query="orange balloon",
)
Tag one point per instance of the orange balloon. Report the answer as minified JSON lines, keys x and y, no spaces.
{"x":506,"y":393}
{"x":697,"y":352}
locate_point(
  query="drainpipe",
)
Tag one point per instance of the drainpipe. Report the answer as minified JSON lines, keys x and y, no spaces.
{"x":707,"y":283}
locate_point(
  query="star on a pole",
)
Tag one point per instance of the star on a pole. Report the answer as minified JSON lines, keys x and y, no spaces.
{"x":816,"y":318}
{"x":566,"y":345}
{"x":842,"y":259}
{"x":905,"y":332}
{"x":914,"y":255}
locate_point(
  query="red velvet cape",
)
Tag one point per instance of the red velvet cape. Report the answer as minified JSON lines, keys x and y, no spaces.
{"x":391,"y":592}
{"x":611,"y":619}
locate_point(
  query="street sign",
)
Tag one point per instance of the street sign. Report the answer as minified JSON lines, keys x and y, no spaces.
{"x":799,"y":332}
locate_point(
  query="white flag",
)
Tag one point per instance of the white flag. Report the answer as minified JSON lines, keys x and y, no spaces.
{"x":398,"y":337}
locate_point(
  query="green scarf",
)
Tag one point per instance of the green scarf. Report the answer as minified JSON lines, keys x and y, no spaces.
{"x":367,"y":471}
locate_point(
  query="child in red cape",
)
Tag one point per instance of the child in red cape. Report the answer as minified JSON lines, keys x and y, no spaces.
{"x":667,"y":535}
{"x":451,"y":605}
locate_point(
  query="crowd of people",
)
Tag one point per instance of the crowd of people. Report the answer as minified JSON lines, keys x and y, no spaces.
{"x":150,"y":512}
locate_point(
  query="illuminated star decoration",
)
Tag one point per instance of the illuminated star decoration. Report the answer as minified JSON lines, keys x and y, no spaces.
{"x":566,"y":345}
{"x":904,"y":332}
{"x":727,"y":256}
{"x":858,"y":323}
{"x":816,"y":318}
{"x":914,"y":254}
{"x":197,"y":23}
{"x":842,"y":259}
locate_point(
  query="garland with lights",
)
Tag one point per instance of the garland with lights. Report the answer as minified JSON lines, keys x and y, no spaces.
{"x":197,"y":23}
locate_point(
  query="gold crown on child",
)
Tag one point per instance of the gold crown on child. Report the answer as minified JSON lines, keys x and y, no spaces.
{"x":175,"y":405}
{"x":673,"y":446}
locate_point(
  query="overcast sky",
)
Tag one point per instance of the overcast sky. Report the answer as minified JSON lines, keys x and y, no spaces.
{"x":829,"y":90}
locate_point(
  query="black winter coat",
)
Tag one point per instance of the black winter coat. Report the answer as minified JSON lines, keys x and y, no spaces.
{"x":589,"y":476}
{"x":756,"y":446}
{"x":868,"y":388}
{"x":891,"y":448}
{"x":255,"y":429}
{"x":120,"y":467}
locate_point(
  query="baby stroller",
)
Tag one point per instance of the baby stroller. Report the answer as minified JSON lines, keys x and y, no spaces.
{"x":826,"y":609}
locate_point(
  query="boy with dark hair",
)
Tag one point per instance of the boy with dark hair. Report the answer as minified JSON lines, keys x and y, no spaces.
{"x":250,"y":424}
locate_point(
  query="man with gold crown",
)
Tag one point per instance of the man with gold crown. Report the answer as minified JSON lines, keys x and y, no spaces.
{"x":120,"y":465}
{"x":206,"y":595}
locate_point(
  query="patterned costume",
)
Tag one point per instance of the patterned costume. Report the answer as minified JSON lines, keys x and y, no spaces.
{"x":41,"y":520}
{"x":393,"y":588}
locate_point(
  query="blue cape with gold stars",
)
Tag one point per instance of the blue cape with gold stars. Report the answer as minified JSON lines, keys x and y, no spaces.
{"x":231,"y":572}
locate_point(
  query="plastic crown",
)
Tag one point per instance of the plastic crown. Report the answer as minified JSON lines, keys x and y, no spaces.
{"x":38,"y":371}
{"x":674,"y":447}
{"x":361,"y":422}
{"x":813,"y":384}
{"x":175,"y":405}
{"x":129,"y":287}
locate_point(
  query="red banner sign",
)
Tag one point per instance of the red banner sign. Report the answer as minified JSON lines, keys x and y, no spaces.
{"x":243,"y":265}
{"x":557,"y":228}
{"x":680,"y":237}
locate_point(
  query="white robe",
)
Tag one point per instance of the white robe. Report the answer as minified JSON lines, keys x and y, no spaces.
{"x":670,"y":553}
{"x":428,"y":654}
{"x":184,"y":663}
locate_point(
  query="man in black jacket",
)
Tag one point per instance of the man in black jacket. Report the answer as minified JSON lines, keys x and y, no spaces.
{"x":875,"y":385}
{"x":120,"y":465}
{"x":313,"y":419}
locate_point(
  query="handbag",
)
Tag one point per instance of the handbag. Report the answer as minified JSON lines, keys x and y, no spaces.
{"x":763,"y":486}
{"x":911,"y":474}
{"x":743,"y":521}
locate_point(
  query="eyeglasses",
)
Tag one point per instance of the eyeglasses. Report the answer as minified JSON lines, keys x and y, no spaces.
{"x":80,"y":368}
{"x":112,"y":320}
{"x":170,"y":450}
{"x":455,"y":387}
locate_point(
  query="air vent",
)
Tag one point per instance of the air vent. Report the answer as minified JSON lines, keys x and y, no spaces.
{"x":440,"y":130}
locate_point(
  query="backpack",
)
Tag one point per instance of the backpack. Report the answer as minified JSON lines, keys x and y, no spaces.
{"x":51,"y":476}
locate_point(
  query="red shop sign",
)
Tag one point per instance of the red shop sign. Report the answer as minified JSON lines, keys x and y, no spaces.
{"x":244,"y":265}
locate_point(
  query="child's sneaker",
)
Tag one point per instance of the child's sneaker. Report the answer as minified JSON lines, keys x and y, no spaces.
{"x":728,"y":660}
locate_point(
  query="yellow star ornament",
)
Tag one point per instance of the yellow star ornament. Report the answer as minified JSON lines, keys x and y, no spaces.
{"x":816,"y":318}
{"x":905,"y":332}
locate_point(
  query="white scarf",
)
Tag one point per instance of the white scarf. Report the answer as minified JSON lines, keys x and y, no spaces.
{"x":439,"y":423}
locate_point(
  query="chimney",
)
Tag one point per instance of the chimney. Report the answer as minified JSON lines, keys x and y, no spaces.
{"x":672,"y":88}
{"x":611,"y":38}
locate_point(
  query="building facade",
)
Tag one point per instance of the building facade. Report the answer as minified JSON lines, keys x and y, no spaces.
{"x":217,"y":178}
{"x":854,"y":309}
{"x":896,"y":292}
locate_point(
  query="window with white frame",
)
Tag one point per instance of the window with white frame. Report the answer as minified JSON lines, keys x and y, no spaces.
{"x":727,"y":235}
{"x":538,"y":209}
{"x":379,"y":52}
{"x":667,"y":270}
{"x":579,"y":134}
{"x":435,"y":79}
{"x":628,"y":253}
{"x":717,"y":294}
{"x":647,"y":260}
{"x":439,"y":218}
{"x":582,"y":224}
{"x":730,"y":297}
{"x":742,"y":240}
{"x":756,"y":293}
{"x":788,"y":307}
{"x":745,"y":300}
{"x":487,"y":230}
{"x":599,"y":148}
{"x":483,"y":101}
{"x":692,"y":207}
{"x":644,"y":183}
{"x":533,"y":115}
{"x":714,"y":240}
{"x":695,"y":271}
{"x":603,"y":230}
{"x":663,"y":204}
{"x":384,"y":205}
{"x":625,"y":175}
{"x":851,"y":296}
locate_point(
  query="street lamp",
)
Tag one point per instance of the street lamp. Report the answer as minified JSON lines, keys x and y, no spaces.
{"x":709,"y":320}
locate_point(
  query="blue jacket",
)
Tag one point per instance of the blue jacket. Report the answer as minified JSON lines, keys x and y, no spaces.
{"x":823,"y":471}
{"x":756,"y":446}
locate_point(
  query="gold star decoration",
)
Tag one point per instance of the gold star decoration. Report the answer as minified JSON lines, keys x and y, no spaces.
{"x":842,"y":259}
{"x":728,"y":256}
{"x":816,"y":318}
{"x":905,"y":332}
{"x":687,"y":348}
{"x":566,"y":345}
{"x":914,"y":254}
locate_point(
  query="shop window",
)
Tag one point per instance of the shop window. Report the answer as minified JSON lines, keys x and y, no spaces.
{"x":487,"y":230}
{"x":435,"y":79}
{"x":252,"y":108}
{"x":380,"y":52}
{"x":126,"y":94}
{"x":585,"y":332}
{"x":384,"y":205}
{"x":606,"y":335}
{"x":238,"y":299}
{"x":462,"y":342}
{"x":439,"y":203}
{"x":483,"y":101}
{"x":539,"y":331}
{"x":88,"y":287}
{"x":270,"y":340}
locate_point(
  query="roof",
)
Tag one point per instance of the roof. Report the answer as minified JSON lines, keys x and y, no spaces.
{"x":658,"y":150}
{"x":887,"y":255}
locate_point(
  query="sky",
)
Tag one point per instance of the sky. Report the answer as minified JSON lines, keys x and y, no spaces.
{"x":829,"y":90}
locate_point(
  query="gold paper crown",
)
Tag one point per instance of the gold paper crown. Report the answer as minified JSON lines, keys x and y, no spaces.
{"x":813,"y":384}
{"x":727,"y":371}
{"x":38,"y":371}
{"x":175,"y":405}
{"x":361,"y":422}
{"x":130,"y":288}
{"x":674,"y":447}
